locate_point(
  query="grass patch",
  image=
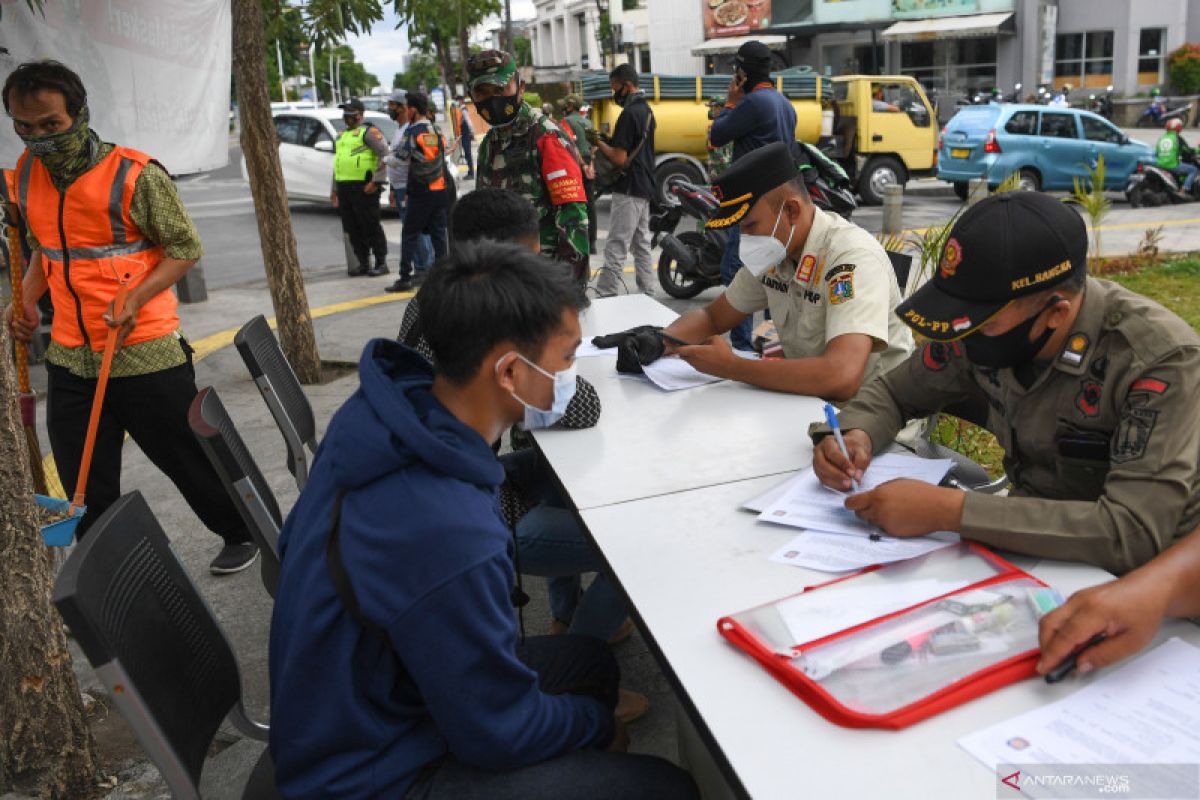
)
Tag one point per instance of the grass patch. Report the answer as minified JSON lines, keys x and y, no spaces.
{"x":1174,"y":284}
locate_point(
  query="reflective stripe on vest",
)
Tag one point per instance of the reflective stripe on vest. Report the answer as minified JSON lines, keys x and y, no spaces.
{"x":353,"y":159}
{"x":88,"y":242}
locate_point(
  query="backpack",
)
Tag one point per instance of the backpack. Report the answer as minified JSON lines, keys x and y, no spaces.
{"x":423,"y":169}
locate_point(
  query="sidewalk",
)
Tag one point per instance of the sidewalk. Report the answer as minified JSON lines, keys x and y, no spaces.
{"x":345,"y":319}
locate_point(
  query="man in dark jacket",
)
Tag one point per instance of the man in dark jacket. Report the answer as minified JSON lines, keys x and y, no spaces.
{"x":395,"y":665}
{"x":755,"y":115}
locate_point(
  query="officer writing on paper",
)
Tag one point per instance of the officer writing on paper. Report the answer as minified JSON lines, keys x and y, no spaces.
{"x":1087,"y":386}
{"x":828,"y":283}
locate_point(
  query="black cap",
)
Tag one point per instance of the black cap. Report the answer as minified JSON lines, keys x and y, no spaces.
{"x":353,"y":104}
{"x":754,"y":53}
{"x":1008,"y":246}
{"x":750,"y":177}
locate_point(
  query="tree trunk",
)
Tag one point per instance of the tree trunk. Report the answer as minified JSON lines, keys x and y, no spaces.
{"x":46,"y":748}
{"x":261,"y":149}
{"x":465,"y":52}
{"x":442,"y":48}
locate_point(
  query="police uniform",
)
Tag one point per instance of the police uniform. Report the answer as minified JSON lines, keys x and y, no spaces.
{"x":358,"y":154}
{"x":1101,"y":444}
{"x":531,"y":156}
{"x":842,"y":282}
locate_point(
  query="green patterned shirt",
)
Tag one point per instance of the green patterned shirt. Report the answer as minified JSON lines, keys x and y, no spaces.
{"x":160,"y":214}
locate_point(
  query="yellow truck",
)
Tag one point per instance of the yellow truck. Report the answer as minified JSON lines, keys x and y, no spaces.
{"x":881,"y":129}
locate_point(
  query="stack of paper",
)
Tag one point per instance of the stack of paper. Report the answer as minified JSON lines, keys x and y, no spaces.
{"x":835,"y":540}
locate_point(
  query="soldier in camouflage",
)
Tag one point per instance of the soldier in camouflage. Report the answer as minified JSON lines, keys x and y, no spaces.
{"x":526,"y":152}
{"x":719,"y":158}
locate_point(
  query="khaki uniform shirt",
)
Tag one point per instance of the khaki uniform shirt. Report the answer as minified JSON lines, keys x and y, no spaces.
{"x":1102,"y":449}
{"x":843,"y":283}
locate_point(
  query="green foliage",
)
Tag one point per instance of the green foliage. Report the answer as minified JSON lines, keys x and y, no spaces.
{"x":1183,"y":67}
{"x":319,"y":24}
{"x":523,"y":51}
{"x":1088,"y":194}
{"x":1010,"y":184}
{"x":422,"y":74}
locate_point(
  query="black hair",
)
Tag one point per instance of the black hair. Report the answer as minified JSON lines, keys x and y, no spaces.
{"x":800,"y":187}
{"x":419,"y":101}
{"x":34,"y":76}
{"x":625,"y":73}
{"x":486,"y":293}
{"x":498,"y":214}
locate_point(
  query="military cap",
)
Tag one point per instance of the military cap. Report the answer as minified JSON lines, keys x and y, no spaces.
{"x":1005,"y":247}
{"x":491,"y":66}
{"x":752,"y":176}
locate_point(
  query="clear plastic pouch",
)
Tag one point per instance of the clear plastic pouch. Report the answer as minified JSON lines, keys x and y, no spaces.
{"x":894,"y":644}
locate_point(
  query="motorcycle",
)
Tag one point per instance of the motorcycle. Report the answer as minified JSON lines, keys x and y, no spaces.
{"x":1102,"y":104}
{"x":1157,"y":114}
{"x":1152,"y":185}
{"x":691,"y":262}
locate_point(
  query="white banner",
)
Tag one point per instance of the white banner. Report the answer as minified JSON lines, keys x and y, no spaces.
{"x":156,"y":72}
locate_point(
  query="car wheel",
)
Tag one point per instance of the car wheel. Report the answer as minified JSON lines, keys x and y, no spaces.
{"x":879,"y":173}
{"x":675,"y":168}
{"x":962,"y":190}
{"x":1029,"y":181}
{"x":1134,"y":196}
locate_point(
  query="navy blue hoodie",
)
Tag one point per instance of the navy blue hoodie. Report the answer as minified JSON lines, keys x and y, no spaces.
{"x":431,"y":562}
{"x":760,"y":118}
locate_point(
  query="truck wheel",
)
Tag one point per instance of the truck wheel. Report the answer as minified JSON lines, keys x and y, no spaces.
{"x":674,"y":282}
{"x":961,"y":190}
{"x":878,"y":173}
{"x":675,"y":168}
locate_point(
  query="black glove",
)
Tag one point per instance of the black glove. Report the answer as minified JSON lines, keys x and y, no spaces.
{"x":636,"y":347}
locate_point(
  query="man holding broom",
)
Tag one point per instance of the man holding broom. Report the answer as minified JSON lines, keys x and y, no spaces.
{"x":99,"y":215}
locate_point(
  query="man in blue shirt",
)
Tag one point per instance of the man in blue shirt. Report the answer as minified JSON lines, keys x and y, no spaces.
{"x":755,"y":115}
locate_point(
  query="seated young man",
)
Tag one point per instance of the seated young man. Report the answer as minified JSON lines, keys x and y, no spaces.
{"x":1127,"y":611}
{"x":1088,"y":387}
{"x":550,"y":542}
{"x":395,"y":665}
{"x":828,"y":284}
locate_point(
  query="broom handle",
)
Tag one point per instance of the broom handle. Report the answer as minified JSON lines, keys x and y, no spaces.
{"x":18,"y":301}
{"x":110,"y":346}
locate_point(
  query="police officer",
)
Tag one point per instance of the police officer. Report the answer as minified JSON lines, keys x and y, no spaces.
{"x":828,"y":283}
{"x":1089,"y":388}
{"x":357,"y":179}
{"x":526,"y":152}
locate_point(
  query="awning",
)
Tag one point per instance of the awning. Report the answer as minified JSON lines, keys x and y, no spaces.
{"x":973,"y":26}
{"x":730,"y":44}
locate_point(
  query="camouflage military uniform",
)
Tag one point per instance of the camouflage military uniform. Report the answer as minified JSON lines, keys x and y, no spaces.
{"x":524,"y":157}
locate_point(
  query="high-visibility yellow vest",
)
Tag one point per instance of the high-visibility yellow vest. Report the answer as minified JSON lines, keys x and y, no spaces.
{"x":352,"y":158}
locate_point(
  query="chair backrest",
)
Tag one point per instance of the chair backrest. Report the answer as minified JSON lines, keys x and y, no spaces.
{"x":282,"y":392}
{"x":247,"y":487}
{"x":151,"y":639}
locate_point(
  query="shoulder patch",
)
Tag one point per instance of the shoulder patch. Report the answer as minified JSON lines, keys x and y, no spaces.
{"x":839,"y":269}
{"x":937,"y":355}
{"x":841,"y":288}
{"x":1088,"y":399}
{"x":1152,"y":385}
{"x":1133,"y":431}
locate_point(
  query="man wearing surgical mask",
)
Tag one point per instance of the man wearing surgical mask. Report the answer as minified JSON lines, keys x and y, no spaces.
{"x":828,"y":284}
{"x":1088,"y":387}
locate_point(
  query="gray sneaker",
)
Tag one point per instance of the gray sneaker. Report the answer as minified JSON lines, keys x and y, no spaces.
{"x":234,"y":558}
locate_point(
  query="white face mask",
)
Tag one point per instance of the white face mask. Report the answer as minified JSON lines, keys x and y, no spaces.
{"x":759,"y":253}
{"x":564,"y":389}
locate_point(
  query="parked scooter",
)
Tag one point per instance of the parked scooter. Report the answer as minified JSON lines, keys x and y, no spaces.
{"x":1102,"y":104}
{"x":1152,"y":185}
{"x":1157,"y":114}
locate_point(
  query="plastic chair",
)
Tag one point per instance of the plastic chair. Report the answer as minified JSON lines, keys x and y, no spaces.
{"x":247,"y":487}
{"x":282,"y":392}
{"x":155,"y":645}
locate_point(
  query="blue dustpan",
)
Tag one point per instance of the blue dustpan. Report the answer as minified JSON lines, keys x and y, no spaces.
{"x":61,"y":533}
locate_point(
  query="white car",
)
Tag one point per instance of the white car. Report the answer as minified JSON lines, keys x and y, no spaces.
{"x":306,"y":138}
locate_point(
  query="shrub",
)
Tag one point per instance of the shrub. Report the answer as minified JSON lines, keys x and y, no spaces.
{"x":1183,"y":66}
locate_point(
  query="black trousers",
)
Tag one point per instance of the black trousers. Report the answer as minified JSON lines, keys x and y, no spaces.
{"x":466,"y":144}
{"x":153,"y":410}
{"x":426,"y":212}
{"x":361,"y":216}
{"x":589,"y":188}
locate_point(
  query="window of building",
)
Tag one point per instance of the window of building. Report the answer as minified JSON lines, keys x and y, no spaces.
{"x":1152,"y":56}
{"x":950,"y":69}
{"x":1083,"y":59}
{"x":644,"y":59}
{"x":1022,"y":123}
{"x":583,"y":40}
{"x":1059,"y":125}
{"x":1095,"y":130}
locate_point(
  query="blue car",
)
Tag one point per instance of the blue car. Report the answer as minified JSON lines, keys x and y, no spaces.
{"x":1048,"y":147}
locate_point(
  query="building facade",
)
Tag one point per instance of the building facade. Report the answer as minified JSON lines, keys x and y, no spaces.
{"x":565,"y":36}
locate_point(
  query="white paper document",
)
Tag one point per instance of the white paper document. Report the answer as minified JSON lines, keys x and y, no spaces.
{"x":810,"y":505}
{"x":1146,"y":712}
{"x":589,"y":350}
{"x":837,"y":552}
{"x":762,"y":502}
{"x":672,"y":373}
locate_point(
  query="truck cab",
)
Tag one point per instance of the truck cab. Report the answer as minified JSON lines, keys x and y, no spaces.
{"x":884,"y":131}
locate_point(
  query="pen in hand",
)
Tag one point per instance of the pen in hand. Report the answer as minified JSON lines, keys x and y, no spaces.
{"x":1068,"y":665}
{"x":831,"y":418}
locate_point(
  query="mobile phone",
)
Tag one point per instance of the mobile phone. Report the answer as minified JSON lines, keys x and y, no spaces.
{"x":673,"y":340}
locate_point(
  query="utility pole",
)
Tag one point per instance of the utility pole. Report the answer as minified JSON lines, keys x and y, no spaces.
{"x":508,"y":36}
{"x":332,"y":81}
{"x":279,"y":60}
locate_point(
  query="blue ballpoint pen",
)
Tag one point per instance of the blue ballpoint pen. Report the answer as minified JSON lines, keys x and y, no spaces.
{"x":831,"y":418}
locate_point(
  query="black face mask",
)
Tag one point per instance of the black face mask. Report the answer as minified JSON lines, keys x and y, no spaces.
{"x":498,"y":110}
{"x":1012,"y":348}
{"x":351,"y":120}
{"x":620,"y":97}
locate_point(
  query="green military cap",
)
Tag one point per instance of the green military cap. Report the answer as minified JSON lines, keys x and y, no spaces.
{"x":574,"y":100}
{"x":491,"y":66}
{"x":742,"y":185}
{"x":560,"y":105}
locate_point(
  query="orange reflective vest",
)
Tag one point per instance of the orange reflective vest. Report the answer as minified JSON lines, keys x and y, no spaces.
{"x":432,"y":154}
{"x":88,"y":243}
